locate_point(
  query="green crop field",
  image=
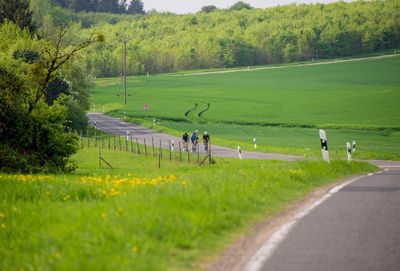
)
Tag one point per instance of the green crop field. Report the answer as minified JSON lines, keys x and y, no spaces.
{"x":137,"y":217}
{"x":283,"y":108}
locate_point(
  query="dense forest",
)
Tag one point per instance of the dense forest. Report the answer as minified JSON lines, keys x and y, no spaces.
{"x":213,"y":38}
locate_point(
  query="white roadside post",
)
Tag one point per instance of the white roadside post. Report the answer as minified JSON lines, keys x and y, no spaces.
{"x":127,"y":135}
{"x":255,"y":143}
{"x":354,"y":146}
{"x":324,"y":145}
{"x":348,"y":146}
{"x":239,"y":152}
{"x":172,"y":146}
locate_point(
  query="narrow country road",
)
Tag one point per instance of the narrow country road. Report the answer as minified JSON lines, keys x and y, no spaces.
{"x":355,"y":227}
{"x":118,"y":127}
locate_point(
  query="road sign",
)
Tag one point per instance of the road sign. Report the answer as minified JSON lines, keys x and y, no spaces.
{"x":146,"y":107}
{"x":324,"y":145}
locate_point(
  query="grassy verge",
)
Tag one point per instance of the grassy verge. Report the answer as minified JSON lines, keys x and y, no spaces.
{"x":137,"y":217}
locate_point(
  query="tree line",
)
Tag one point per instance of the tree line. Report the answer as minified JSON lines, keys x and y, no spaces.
{"x":238,"y":36}
{"x":165,"y":42}
{"x":111,"y":6}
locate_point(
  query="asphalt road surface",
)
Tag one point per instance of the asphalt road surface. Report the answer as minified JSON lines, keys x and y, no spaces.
{"x":356,"y":229}
{"x":119,"y":127}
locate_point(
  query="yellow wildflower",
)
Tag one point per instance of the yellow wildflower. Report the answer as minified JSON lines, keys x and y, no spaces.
{"x":134,"y":249}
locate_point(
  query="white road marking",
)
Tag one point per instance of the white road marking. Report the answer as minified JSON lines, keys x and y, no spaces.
{"x":266,"y":250}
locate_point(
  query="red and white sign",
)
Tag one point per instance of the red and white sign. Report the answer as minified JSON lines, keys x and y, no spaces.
{"x":146,"y":107}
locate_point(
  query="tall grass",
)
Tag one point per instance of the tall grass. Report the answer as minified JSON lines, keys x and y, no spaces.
{"x":136,"y":217}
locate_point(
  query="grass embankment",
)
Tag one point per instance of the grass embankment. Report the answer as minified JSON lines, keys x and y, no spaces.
{"x":283,"y":108}
{"x":137,"y":217}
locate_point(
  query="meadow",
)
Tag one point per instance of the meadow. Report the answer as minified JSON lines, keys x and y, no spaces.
{"x":283,"y":108}
{"x":138,"y":217}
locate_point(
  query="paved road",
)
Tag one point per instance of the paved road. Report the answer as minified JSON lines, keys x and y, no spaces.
{"x":355,"y":229}
{"x":118,"y":127}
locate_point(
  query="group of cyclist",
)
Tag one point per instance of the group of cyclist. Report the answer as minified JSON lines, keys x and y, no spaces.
{"x":194,"y":139}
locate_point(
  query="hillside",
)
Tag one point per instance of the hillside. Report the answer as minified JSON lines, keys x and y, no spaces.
{"x":165,"y":42}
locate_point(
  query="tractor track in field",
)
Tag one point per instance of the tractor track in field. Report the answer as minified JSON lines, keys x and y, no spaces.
{"x":199,"y":115}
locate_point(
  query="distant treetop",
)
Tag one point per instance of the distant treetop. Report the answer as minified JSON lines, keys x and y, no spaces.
{"x":208,"y":9}
{"x":240,"y":5}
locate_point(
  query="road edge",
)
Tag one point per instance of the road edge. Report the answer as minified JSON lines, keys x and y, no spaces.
{"x":252,"y":248}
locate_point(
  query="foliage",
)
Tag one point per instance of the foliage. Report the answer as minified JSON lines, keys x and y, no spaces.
{"x":28,"y":56}
{"x":55,"y":88}
{"x":136,"y":7}
{"x":138,"y":218}
{"x":32,"y":129}
{"x":31,"y":142}
{"x":209,"y":8}
{"x":17,"y":11}
{"x":240,"y":5}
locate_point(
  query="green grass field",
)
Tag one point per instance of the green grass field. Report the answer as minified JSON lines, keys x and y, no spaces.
{"x":137,"y":217}
{"x":283,"y":108}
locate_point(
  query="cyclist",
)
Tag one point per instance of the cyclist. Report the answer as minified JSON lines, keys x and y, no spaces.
{"x":185,"y":139}
{"x":206,"y":139}
{"x":195,"y":140}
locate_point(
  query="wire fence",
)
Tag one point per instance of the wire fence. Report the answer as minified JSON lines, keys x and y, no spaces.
{"x":150,"y":147}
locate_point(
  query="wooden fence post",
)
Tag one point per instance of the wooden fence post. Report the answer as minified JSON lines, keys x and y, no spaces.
{"x":170,"y":153}
{"x":152,"y":144}
{"x":180,"y":152}
{"x":160,"y":149}
{"x":137,"y":146}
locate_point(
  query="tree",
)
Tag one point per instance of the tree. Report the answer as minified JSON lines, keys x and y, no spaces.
{"x":56,"y":57}
{"x":108,"y":6}
{"x":17,"y":11}
{"x":32,"y":132}
{"x":208,"y":9}
{"x":136,"y":7}
{"x":240,"y":5}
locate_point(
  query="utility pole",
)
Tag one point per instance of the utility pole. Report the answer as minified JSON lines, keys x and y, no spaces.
{"x":125,"y":67}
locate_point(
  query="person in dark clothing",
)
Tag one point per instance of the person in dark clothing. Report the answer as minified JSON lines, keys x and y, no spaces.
{"x":185,"y":139}
{"x":206,"y":140}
